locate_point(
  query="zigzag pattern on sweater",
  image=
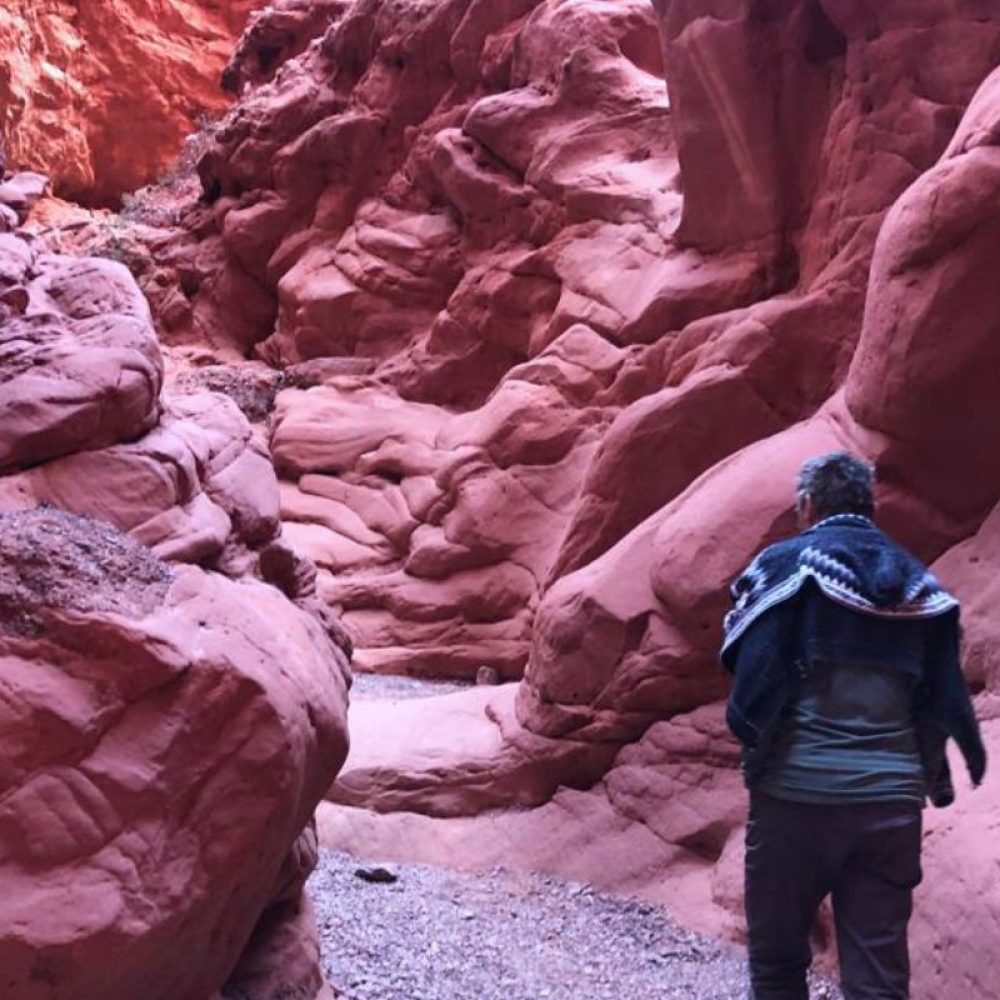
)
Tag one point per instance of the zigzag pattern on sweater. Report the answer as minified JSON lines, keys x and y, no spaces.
{"x":779,"y":572}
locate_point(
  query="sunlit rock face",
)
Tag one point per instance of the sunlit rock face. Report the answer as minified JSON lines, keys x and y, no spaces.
{"x":100,"y":96}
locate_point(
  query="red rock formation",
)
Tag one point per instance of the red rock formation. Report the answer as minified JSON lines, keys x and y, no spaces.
{"x":81,"y":364}
{"x":277,"y":34}
{"x":557,"y":343}
{"x":458,"y":755}
{"x":922,"y":413}
{"x":676,"y":557}
{"x":82,"y":376}
{"x":429,"y":237}
{"x":100,"y":96}
{"x":166,"y":736}
{"x":166,"y":810}
{"x":497,"y":245}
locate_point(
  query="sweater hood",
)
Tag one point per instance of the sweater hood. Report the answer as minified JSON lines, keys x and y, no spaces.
{"x":852,"y":562}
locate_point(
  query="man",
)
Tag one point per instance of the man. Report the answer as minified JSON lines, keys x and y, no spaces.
{"x":846,"y":685}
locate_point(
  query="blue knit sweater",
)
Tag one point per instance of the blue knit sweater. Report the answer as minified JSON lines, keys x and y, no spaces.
{"x":844,"y":592}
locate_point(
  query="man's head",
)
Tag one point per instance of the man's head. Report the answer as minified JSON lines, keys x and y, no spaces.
{"x":838,"y":483}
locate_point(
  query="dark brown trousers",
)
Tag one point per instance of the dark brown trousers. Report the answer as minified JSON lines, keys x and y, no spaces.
{"x":867,"y":857}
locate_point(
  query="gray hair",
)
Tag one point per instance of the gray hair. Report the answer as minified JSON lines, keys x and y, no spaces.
{"x":838,"y":483}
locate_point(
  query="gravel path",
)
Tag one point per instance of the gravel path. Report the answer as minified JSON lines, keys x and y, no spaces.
{"x":443,"y":935}
{"x":391,"y":687}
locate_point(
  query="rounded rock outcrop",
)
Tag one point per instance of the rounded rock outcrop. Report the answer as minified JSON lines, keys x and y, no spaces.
{"x":167,"y":735}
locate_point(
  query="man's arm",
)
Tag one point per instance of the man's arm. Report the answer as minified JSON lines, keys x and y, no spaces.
{"x":761,"y":665}
{"x":944,"y":707}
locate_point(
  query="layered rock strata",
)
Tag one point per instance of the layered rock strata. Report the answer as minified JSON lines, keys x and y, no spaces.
{"x":563,"y":291}
{"x":85,"y":427}
{"x":572,"y":337}
{"x":465,"y":223}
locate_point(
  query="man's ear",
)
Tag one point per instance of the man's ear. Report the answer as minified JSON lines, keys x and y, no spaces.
{"x":804,"y":509}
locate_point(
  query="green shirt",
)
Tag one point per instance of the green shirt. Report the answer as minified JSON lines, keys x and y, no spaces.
{"x":847,"y":736}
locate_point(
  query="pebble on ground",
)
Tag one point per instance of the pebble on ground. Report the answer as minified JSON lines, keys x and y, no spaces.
{"x":435,"y":934}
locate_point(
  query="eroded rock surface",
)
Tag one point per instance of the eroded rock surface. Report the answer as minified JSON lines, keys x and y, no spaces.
{"x":603,"y":328}
{"x":168,"y":731}
{"x":457,"y":755}
{"x":563,"y":292}
{"x":79,"y":360}
{"x":167,"y":734}
{"x":485,"y":204}
{"x":85,"y":428}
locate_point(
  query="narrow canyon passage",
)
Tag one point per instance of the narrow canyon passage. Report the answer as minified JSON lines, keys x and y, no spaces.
{"x":479,"y":921}
{"x":440,"y":935}
{"x":390,"y":391}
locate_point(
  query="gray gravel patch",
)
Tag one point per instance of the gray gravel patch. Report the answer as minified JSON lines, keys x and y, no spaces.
{"x":435,"y":934}
{"x":50,"y":558}
{"x":373,"y":687}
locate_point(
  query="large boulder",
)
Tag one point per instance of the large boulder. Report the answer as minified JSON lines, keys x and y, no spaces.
{"x":457,"y":754}
{"x":81,"y":365}
{"x":168,"y":732}
{"x":167,"y":735}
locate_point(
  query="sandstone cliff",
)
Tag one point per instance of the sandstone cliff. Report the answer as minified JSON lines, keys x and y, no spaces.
{"x":562,"y":292}
{"x":538,"y":298}
{"x":575,"y":306}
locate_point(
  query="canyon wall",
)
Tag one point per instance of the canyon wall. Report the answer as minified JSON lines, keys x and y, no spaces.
{"x":561,"y":292}
{"x":529,"y":281}
{"x":174,"y":699}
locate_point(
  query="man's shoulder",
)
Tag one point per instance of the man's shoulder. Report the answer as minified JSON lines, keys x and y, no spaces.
{"x":857,"y":563}
{"x":785,"y":550}
{"x":903,"y":552}
{"x":769,"y":580}
{"x":850,"y":561}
